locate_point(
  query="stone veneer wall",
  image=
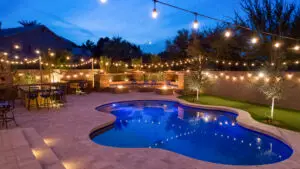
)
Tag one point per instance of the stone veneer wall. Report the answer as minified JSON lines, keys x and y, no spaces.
{"x":58,"y":75}
{"x":235,"y":88}
{"x":228,"y":88}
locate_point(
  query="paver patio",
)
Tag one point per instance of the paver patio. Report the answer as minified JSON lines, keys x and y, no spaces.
{"x":66,"y":131}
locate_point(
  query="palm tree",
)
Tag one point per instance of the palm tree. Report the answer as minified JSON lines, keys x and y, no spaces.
{"x":90,"y":45}
{"x":26,"y":23}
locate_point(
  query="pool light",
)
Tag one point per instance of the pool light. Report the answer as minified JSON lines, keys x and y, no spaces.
{"x":165,"y":87}
{"x":120,"y":86}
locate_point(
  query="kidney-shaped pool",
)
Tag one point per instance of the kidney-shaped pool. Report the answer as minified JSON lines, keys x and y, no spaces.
{"x":207,"y":135}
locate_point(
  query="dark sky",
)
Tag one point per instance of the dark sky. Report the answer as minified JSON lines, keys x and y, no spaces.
{"x":80,"y":20}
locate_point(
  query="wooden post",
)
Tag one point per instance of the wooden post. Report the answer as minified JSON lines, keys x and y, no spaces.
{"x":93,"y":82}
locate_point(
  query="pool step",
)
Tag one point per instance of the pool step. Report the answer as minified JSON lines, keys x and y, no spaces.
{"x":15,"y":151}
{"x":44,"y":154}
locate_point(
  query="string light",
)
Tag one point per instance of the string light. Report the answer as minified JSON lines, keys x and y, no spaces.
{"x":37,"y":51}
{"x":154,"y":12}
{"x":16,"y":46}
{"x":254,"y":40}
{"x":261,"y":74}
{"x":277,"y":45}
{"x":196,"y":23}
{"x":227,"y":34}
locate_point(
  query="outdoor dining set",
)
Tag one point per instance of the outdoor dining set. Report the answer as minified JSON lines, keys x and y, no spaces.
{"x":43,"y":96}
{"x":32,"y":96}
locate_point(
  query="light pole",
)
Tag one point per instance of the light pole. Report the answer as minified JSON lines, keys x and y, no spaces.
{"x":38,"y":52}
{"x":93,"y":78}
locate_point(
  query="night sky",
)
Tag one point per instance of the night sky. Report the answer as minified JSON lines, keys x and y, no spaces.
{"x":80,"y":20}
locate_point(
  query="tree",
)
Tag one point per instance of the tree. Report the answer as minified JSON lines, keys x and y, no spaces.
{"x":117,"y":49}
{"x":274,"y":16}
{"x":273,"y":87}
{"x":176,"y":49}
{"x":105,"y":63}
{"x":89,"y":45}
{"x":26,"y":23}
{"x":197,"y":79}
{"x":136,"y":63}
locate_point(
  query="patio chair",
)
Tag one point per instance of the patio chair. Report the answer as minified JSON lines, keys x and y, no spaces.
{"x":146,"y":82}
{"x":7,"y":106}
{"x":81,"y":87}
{"x":168,"y":83}
{"x":133,"y":83}
{"x":153,"y":82}
{"x":59,"y":93}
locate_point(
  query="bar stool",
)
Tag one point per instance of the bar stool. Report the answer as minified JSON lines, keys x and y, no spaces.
{"x":45,"y":94}
{"x":32,"y":95}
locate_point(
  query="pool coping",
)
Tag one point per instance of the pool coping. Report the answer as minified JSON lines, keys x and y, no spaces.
{"x":243,"y":118}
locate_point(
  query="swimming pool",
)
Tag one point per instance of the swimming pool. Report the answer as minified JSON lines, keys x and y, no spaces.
{"x":207,"y":135}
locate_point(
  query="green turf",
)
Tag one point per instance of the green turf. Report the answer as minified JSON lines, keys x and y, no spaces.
{"x":289,"y":119}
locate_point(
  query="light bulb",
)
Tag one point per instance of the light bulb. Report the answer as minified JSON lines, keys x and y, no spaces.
{"x":254,"y":40}
{"x":196,"y":24}
{"x":227,"y":34}
{"x":154,"y":13}
{"x":277,"y":45}
{"x":37,"y":52}
{"x":17,"y":47}
{"x":297,"y":47}
{"x":103,"y":1}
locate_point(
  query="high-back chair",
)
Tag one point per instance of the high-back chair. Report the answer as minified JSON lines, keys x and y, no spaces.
{"x":7,"y":106}
{"x":46,"y":94}
{"x":33,"y":94}
{"x":59,"y":93}
{"x":153,"y":83}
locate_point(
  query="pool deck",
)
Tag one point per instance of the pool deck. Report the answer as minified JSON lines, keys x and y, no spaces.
{"x":66,"y":134}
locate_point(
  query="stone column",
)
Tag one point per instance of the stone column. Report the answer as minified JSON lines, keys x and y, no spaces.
{"x":180,"y":81}
{"x":104,"y":80}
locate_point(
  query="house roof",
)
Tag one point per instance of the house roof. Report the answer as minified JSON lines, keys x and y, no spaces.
{"x":14,"y":31}
{"x":38,"y":42}
{"x":19,"y":30}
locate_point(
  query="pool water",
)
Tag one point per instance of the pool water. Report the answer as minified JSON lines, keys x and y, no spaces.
{"x":207,"y":135}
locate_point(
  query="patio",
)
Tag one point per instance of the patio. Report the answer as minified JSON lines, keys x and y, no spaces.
{"x":66,"y":133}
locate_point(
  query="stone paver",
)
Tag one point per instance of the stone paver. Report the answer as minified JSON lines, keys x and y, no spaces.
{"x":66,"y":131}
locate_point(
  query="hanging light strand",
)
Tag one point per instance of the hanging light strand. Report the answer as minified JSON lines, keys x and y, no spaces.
{"x":223,"y":21}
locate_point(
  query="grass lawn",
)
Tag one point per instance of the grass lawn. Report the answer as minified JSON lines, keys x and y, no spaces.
{"x":289,"y":119}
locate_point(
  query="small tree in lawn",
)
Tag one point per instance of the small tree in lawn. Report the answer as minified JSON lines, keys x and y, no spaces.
{"x":272,"y":86}
{"x":274,"y":73}
{"x":197,"y":78}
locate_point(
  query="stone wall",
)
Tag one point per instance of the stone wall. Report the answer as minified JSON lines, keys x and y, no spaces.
{"x":28,"y":76}
{"x":230,"y":85}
